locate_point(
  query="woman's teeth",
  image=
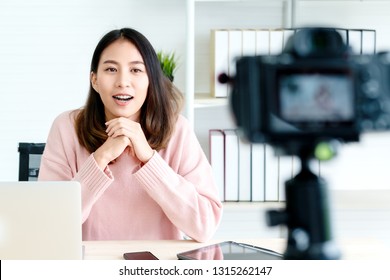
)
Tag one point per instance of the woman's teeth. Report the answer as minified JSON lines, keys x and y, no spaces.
{"x":123,"y":97}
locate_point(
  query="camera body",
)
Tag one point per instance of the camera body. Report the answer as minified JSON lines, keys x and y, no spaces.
{"x":315,"y":89}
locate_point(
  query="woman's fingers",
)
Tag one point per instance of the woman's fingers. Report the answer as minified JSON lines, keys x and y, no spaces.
{"x":139,"y":146}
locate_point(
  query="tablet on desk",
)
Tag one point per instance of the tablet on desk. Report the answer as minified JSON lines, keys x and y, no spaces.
{"x":230,"y":250}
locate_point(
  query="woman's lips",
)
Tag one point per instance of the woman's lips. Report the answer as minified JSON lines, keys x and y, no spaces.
{"x":122,"y":99}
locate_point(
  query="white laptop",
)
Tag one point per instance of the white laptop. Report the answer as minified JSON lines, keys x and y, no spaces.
{"x":40,"y":220}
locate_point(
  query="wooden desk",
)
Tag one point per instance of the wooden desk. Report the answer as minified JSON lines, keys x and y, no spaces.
{"x":357,"y":249}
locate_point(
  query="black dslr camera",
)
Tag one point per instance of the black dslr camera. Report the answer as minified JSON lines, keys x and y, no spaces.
{"x":315,"y":89}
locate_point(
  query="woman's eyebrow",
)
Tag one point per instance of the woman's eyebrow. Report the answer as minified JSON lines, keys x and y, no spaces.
{"x":109,"y":61}
{"x":136,"y":62}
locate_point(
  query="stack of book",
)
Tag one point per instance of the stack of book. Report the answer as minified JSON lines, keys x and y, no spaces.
{"x":226,"y":45}
{"x":245,"y":171}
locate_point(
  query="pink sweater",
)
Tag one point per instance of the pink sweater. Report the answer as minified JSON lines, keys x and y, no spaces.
{"x":171,"y":195}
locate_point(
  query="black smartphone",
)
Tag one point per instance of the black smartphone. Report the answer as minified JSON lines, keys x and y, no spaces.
{"x":230,"y":250}
{"x":144,"y":255}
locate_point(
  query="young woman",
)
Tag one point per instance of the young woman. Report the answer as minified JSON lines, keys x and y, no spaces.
{"x":142,"y":171}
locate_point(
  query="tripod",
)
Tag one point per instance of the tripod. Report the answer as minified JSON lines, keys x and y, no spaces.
{"x":306,"y":216}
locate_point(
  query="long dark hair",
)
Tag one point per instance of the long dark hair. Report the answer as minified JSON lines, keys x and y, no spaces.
{"x":159,"y":112}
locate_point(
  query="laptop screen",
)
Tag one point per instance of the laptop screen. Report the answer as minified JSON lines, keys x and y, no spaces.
{"x":40,"y":220}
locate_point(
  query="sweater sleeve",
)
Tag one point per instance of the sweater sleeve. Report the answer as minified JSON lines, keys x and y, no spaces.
{"x":184,"y":186}
{"x":63,"y":160}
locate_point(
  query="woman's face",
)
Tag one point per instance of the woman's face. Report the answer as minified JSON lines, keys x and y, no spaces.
{"x":121,"y":80}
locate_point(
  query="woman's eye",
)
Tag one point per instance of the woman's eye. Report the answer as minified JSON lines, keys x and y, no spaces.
{"x":135,"y":70}
{"x":110,"y":69}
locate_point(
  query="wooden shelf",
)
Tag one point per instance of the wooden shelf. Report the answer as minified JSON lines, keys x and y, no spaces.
{"x":205,"y":100}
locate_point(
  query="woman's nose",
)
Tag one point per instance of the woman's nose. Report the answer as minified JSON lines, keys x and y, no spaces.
{"x":124,"y":80}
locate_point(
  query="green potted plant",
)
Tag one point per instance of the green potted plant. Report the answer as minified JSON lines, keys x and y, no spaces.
{"x":168,"y":63}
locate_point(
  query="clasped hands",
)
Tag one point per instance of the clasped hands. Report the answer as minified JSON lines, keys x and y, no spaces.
{"x":123,"y":133}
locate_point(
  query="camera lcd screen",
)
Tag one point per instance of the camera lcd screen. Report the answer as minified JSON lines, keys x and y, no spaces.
{"x":307,"y":97}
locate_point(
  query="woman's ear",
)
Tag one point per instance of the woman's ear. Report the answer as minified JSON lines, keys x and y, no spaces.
{"x":93,"y":79}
